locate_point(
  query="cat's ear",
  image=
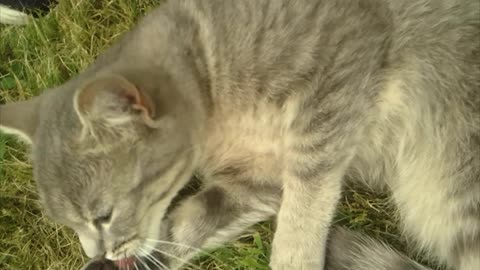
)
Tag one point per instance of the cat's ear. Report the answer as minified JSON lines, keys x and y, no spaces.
{"x":114,"y":100}
{"x":20,"y":118}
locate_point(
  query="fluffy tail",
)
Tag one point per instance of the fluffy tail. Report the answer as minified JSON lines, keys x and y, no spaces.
{"x":353,"y":251}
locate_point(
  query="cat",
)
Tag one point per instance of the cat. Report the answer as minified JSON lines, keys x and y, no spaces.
{"x":276,"y":104}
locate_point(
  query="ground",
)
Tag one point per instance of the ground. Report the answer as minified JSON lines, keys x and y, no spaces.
{"x":48,"y":52}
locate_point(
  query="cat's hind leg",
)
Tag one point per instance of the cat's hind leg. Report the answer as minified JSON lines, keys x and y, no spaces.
{"x":440,"y":209}
{"x":347,"y":250}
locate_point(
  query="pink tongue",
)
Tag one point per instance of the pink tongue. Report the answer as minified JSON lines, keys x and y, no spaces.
{"x":125,"y":263}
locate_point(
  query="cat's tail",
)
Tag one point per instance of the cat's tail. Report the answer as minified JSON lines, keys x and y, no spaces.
{"x":349,"y":250}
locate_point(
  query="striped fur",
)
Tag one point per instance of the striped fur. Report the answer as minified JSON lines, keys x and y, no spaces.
{"x":275,"y":103}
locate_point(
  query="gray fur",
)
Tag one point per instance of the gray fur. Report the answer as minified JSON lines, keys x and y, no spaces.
{"x":348,"y":250}
{"x":275,"y":103}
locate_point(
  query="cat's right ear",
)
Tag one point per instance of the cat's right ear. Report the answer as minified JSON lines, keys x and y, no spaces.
{"x":20,"y":118}
{"x":114,"y":100}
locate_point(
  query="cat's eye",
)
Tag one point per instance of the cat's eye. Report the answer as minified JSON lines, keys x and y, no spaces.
{"x":104,"y":218}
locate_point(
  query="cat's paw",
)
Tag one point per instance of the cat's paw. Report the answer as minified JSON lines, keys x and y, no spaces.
{"x":276,"y":265}
{"x":292,"y":251}
{"x":289,"y":257}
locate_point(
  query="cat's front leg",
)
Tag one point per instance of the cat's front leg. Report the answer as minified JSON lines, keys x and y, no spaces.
{"x":217,"y":214}
{"x":304,"y":220}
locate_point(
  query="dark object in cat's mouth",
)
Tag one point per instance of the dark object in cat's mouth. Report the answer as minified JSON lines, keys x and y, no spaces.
{"x":104,"y":264}
{"x":100,"y":264}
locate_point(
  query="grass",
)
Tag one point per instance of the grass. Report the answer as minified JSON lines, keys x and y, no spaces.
{"x":47,"y":53}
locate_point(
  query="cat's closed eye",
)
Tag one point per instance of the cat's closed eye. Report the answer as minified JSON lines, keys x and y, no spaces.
{"x":103,"y":218}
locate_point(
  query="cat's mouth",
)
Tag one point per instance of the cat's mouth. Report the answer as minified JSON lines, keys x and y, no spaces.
{"x":125,"y":263}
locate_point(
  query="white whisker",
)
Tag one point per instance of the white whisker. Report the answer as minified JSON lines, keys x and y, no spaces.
{"x":175,"y":257}
{"x":200,"y":251}
{"x":154,"y":260}
{"x":203,"y":252}
{"x":135,"y":262}
{"x":144,"y":264}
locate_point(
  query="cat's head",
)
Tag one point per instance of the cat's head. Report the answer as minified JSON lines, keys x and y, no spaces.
{"x":108,"y":158}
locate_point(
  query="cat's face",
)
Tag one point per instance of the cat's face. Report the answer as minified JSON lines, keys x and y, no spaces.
{"x":104,"y":164}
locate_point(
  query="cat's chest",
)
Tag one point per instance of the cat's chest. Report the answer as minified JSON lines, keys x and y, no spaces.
{"x":245,"y":144}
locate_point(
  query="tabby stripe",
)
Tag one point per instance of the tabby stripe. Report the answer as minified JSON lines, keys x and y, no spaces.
{"x":259,"y":44}
{"x":467,"y":244}
{"x":203,"y":78}
{"x":148,"y":179}
{"x":173,"y":183}
{"x":314,"y":170}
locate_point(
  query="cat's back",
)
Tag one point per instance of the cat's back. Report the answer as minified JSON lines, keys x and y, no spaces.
{"x":263,"y":57}
{"x":429,"y":106}
{"x":264,"y":60}
{"x":262,"y":50}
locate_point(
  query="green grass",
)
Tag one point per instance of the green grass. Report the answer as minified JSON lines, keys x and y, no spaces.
{"x":47,"y":53}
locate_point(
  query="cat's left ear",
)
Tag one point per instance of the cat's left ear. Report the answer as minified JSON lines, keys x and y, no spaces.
{"x":114,"y":100}
{"x":20,"y":118}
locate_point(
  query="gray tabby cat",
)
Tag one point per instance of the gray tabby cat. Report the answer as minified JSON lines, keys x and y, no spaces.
{"x":276,"y":103}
